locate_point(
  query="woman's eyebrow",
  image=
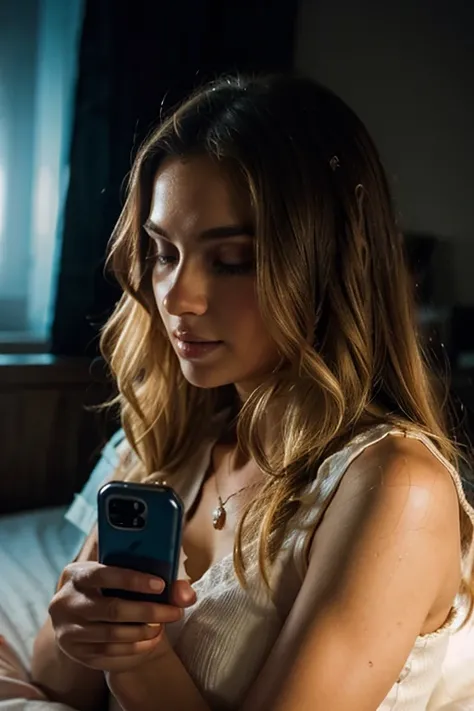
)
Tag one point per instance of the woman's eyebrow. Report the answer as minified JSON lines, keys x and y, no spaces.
{"x":209,"y":234}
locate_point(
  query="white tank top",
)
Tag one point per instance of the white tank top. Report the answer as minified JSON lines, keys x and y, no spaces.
{"x":225,"y":638}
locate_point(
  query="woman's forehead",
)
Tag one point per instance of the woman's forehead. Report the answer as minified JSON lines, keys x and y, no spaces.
{"x":196,"y":193}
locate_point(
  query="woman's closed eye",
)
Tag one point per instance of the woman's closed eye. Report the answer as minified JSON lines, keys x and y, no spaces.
{"x":228,"y":262}
{"x":242,"y":266}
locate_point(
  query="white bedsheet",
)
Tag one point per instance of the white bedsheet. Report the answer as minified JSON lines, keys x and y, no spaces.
{"x":34,"y":548}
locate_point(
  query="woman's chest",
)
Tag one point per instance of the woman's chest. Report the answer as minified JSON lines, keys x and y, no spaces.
{"x":211,"y":524}
{"x":202,"y":544}
{"x":227,"y":636}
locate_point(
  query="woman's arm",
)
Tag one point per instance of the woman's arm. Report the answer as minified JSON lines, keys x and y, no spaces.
{"x":58,"y":676}
{"x":162,"y":684}
{"x":64,"y":680}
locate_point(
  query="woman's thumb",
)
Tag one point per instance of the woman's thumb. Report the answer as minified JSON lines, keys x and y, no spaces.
{"x":182,"y":594}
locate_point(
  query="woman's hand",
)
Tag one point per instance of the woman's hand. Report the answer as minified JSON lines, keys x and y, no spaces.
{"x":109,"y":633}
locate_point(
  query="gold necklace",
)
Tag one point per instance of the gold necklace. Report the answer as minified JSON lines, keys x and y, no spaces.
{"x":219,"y":515}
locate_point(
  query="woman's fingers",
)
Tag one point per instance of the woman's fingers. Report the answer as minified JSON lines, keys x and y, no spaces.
{"x":91,"y":652}
{"x":100,"y":633}
{"x":89,"y":575}
{"x":109,"y":632}
{"x":182,"y":594}
{"x":116,"y":610}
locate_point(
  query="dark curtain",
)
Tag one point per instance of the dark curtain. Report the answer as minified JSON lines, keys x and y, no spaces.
{"x":134,"y":55}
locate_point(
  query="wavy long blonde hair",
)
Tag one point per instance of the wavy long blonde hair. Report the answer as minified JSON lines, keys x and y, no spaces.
{"x":332,"y":283}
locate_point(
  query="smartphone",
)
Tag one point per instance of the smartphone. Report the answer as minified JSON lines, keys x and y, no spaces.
{"x":140,"y":528}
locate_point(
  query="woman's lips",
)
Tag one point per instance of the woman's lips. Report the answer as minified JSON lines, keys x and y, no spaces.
{"x":194,"y":350}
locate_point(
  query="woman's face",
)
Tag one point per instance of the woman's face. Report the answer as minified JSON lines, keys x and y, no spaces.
{"x":204,"y":275}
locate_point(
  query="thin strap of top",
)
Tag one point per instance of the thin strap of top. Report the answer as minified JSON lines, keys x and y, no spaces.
{"x":329,"y":475}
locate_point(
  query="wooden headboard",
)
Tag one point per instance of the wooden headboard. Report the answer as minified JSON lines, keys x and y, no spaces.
{"x":49,"y":441}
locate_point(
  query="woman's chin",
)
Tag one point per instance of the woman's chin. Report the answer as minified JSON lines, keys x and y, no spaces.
{"x":205,"y":378}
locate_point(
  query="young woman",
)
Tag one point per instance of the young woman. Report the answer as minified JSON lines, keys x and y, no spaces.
{"x":269,"y":368}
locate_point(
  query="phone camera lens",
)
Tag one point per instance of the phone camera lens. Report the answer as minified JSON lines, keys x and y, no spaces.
{"x":126,"y":512}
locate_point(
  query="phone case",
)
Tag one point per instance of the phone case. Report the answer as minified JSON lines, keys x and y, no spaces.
{"x":153,"y":549}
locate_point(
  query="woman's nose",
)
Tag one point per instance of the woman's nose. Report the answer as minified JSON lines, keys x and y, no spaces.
{"x":188,"y":293}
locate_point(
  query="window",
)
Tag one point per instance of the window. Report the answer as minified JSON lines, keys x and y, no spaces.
{"x":39,"y":44}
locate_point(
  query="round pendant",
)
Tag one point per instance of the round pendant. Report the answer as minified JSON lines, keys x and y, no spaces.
{"x":218,"y":518}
